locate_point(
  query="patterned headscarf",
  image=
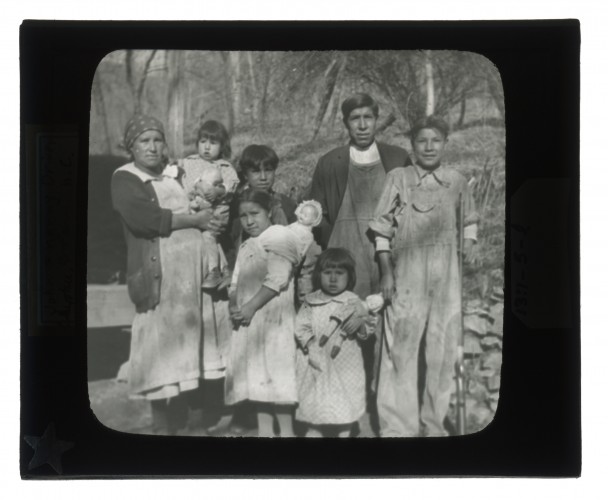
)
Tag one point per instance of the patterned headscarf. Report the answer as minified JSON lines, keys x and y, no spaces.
{"x":138,"y":125}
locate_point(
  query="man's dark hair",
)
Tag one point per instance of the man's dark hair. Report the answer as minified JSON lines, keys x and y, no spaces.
{"x":359,"y":100}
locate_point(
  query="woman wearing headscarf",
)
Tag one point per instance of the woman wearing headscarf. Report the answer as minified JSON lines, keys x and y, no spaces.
{"x":164,"y":251}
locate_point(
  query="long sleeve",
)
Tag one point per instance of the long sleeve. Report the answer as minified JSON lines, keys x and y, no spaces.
{"x":138,"y":208}
{"x":279,"y":272}
{"x":390,"y":201}
{"x":304,"y":325}
{"x":317,"y":192}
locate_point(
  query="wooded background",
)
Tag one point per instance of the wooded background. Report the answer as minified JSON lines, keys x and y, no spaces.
{"x":291,"y":102}
{"x":266,"y":95}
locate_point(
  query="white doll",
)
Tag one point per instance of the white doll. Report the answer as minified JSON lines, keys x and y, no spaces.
{"x":309,"y":214}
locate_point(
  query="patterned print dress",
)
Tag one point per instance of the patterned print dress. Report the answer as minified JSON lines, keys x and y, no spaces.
{"x":336,"y":393}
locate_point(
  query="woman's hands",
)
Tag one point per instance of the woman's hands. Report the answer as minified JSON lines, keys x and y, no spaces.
{"x":203,"y":220}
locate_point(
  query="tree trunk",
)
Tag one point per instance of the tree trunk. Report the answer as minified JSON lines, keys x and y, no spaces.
{"x":335,"y":106}
{"x":228,"y":91}
{"x":430,"y":84}
{"x":260,"y":75}
{"x":332,"y":74}
{"x":142,"y":81}
{"x":254,"y":88}
{"x":129,"y":75}
{"x":176,"y":103}
{"x":235,"y":77}
{"x":385,"y":123}
{"x":267,"y":67}
{"x":463,"y":109}
{"x":263,"y":109}
{"x":101,"y":106}
{"x":136,"y":87}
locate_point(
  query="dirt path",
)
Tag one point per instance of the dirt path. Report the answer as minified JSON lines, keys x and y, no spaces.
{"x":113,"y":408}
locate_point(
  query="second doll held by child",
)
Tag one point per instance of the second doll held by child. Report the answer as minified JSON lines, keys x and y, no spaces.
{"x":329,"y":366}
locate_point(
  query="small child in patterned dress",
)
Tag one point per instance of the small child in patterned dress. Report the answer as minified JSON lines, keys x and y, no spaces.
{"x":329,"y":364}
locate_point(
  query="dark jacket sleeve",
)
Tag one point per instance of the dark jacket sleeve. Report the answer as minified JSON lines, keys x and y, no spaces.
{"x":318,"y":192}
{"x":138,"y":207}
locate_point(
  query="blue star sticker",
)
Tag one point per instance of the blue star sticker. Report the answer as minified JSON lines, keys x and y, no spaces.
{"x":47,"y":449}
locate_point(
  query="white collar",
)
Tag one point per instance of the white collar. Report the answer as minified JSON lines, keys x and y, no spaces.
{"x":318,"y":297}
{"x":145,"y":176}
{"x":365,"y":157}
{"x":437,"y":173}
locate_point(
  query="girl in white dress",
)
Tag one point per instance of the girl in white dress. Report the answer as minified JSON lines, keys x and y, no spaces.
{"x":261,"y":363}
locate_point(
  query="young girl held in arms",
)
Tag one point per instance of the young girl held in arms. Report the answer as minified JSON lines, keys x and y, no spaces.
{"x":210,"y":182}
{"x":330,"y":374}
{"x":261,"y":364}
{"x":213,"y":148}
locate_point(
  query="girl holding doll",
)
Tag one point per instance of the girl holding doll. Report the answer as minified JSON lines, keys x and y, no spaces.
{"x":330,"y":373}
{"x":261,"y":363}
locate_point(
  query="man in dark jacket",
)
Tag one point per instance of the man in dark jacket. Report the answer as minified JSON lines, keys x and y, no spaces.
{"x":331,"y":176}
{"x":348,"y":182}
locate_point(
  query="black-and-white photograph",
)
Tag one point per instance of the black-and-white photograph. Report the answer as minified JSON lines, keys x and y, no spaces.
{"x":296,"y":244}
